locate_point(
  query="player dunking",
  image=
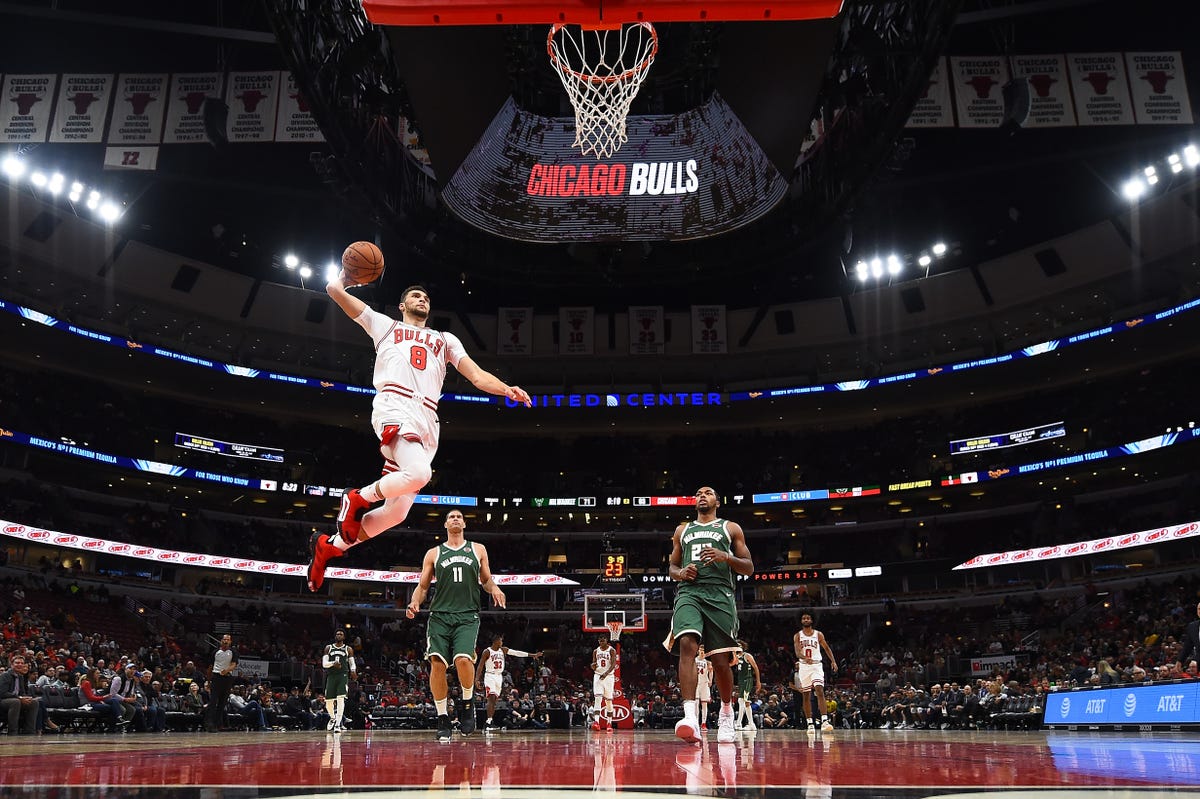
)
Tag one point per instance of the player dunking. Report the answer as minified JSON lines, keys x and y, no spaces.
{"x":460,"y":568}
{"x":410,"y":367}
{"x":338,"y":662}
{"x":604,"y":666}
{"x":705,"y":554}
{"x":489,"y":676}
{"x":810,"y":676}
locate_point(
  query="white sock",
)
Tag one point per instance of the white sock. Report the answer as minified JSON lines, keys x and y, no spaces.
{"x":371,"y":493}
{"x":689,"y":709}
{"x":340,"y":704}
{"x":440,"y":704}
{"x":468,"y":693}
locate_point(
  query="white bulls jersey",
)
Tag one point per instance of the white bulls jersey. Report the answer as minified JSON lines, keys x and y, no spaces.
{"x":604,"y":659}
{"x":810,"y":646}
{"x":410,"y":367}
{"x":703,"y":671}
{"x":493,"y":661}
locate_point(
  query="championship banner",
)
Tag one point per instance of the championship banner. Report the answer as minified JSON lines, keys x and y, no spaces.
{"x":576,"y":331}
{"x":131,"y":157}
{"x":1160,"y":95}
{"x":82,"y":108}
{"x":295,"y":121}
{"x":710,"y":334}
{"x":977,"y":90}
{"x":933,"y":108}
{"x":1101,"y":89}
{"x":514,"y":334}
{"x":1050,"y":103}
{"x":252,"y":98}
{"x":185,"y":106}
{"x":138,"y":110}
{"x":25,"y":107}
{"x":646,"y":330}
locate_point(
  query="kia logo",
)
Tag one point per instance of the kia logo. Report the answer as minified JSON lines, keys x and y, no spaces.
{"x":620,"y":712}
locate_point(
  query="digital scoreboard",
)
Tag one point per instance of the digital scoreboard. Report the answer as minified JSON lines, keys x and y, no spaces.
{"x":614,"y":567}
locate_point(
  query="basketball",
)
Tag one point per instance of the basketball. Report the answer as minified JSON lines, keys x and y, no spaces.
{"x":362,"y":262}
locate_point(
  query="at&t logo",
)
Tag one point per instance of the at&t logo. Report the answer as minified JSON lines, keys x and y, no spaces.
{"x":1130,"y":705}
{"x":1064,"y":709}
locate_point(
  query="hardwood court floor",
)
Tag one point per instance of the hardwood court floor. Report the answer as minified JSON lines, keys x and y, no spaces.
{"x":858,"y":764}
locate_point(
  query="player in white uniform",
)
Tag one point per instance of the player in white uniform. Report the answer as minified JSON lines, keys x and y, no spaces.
{"x":410,"y":367}
{"x":604,"y":664}
{"x":810,"y":675}
{"x":489,"y":675}
{"x":703,"y":687}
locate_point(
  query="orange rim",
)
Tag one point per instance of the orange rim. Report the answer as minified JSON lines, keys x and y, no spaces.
{"x":636,"y":69}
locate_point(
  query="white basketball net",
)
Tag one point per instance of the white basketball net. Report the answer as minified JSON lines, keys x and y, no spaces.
{"x":602,"y":71}
{"x":614,"y":629}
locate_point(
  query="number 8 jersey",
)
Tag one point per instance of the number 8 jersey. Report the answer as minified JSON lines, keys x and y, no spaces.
{"x":410,"y":368}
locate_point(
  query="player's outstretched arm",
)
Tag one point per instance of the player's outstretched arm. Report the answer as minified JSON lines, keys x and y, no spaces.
{"x":351,"y":305}
{"x":488,"y":382}
{"x":419,"y":593}
{"x":485,"y":576}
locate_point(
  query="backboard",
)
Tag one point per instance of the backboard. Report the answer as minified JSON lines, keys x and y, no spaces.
{"x":599,"y":610}
{"x":592,"y":13}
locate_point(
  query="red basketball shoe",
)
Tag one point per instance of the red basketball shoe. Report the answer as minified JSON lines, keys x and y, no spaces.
{"x":349,"y":520}
{"x":321,"y":551}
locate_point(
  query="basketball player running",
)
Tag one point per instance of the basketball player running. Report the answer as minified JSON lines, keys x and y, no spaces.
{"x":338,"y":662}
{"x":489,"y":676}
{"x":460,"y":568}
{"x":703,"y":687}
{"x":410,"y":367}
{"x":810,"y":675}
{"x":705,"y":555}
{"x":749,"y":683}
{"x":604,"y":680}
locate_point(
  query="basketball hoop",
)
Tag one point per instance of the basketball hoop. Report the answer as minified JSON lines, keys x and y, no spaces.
{"x":614,"y":629}
{"x":602,"y":70}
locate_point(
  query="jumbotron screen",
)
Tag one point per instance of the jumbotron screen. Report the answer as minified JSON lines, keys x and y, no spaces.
{"x":684,"y":176}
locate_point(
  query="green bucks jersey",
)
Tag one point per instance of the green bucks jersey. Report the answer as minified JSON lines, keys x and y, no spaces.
{"x":695,"y":537}
{"x":457,"y":574}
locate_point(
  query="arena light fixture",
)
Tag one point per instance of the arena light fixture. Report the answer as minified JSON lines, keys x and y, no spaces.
{"x":38,"y":179}
{"x":877,"y":267}
{"x":1191,"y":155}
{"x":925,"y":260}
{"x":1176,"y":163}
{"x":1151,"y":175}
{"x":862,"y":270}
{"x":291,"y":261}
{"x":93,"y":201}
{"x":13,"y":167}
{"x":76,"y":187}
{"x":109,"y":212}
{"x":894,"y":265}
{"x":56,"y":183}
{"x":939,"y":249}
{"x":305,"y":272}
{"x":1134,"y":189}
{"x":331,"y":272}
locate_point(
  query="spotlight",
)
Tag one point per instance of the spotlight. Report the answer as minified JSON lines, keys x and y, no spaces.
{"x":939,"y":249}
{"x":1191,"y":155}
{"x":38,"y":179}
{"x":925,"y":261}
{"x":862,"y":270}
{"x":305,"y":272}
{"x":1176,"y":167}
{"x":76,"y":187}
{"x":291,"y":261}
{"x":877,"y":267}
{"x":893,"y":265}
{"x":13,"y":167}
{"x":73,"y":197}
{"x":109,"y":212}
{"x":332,"y":271}
{"x":1151,"y":175}
{"x":56,"y":183}
{"x":1133,"y":189}
{"x":93,"y":201}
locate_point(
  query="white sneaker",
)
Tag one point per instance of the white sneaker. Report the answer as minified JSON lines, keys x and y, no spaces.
{"x":812,"y":729}
{"x":687,"y":730}
{"x":725,"y":730}
{"x":826,"y":726}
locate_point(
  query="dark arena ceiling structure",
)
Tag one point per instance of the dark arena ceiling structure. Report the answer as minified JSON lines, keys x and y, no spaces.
{"x":871,"y":185}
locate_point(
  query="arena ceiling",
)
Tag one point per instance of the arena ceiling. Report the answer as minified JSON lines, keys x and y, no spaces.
{"x":985,"y":192}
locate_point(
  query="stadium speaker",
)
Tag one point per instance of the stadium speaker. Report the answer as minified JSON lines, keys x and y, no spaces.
{"x":185,"y":278}
{"x":1017,"y":103}
{"x":1050,"y":261}
{"x":42,"y":227}
{"x":216,"y":119}
{"x":913,"y":300}
{"x":316,"y":311}
{"x":785,"y":323}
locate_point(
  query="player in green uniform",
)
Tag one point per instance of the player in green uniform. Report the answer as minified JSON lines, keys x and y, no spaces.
{"x":338,"y":662}
{"x":749,"y":683}
{"x":460,"y":568}
{"x":705,"y":555}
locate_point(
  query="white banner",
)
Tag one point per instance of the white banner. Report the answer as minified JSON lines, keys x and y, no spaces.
{"x":933,"y":108}
{"x":1101,"y":89}
{"x":646,"y":334}
{"x":51,"y":538}
{"x":25,"y":107}
{"x":295,"y":121}
{"x":252,"y":668}
{"x":710,"y":333}
{"x":1160,"y":95}
{"x":252,"y":98}
{"x":82,"y":108}
{"x":185,"y":106}
{"x":977,"y":89}
{"x":131,"y":157}
{"x":138,"y":109}
{"x":1109,"y":543}
{"x":514,"y":334}
{"x":1050,"y":103}
{"x":576,"y":331}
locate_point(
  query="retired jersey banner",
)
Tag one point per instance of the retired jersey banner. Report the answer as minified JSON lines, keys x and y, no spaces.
{"x":710,"y":334}
{"x":514,"y":335}
{"x":933,"y":108}
{"x":646,"y":330}
{"x":185,"y":107}
{"x":131,"y":157}
{"x":1101,"y":89}
{"x":977,"y":89}
{"x":1160,"y":95}
{"x":82,"y":108}
{"x":295,"y":121}
{"x":252,"y":98}
{"x":576,"y":331}
{"x":138,"y":110}
{"x":1050,"y":103}
{"x":25,"y":107}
